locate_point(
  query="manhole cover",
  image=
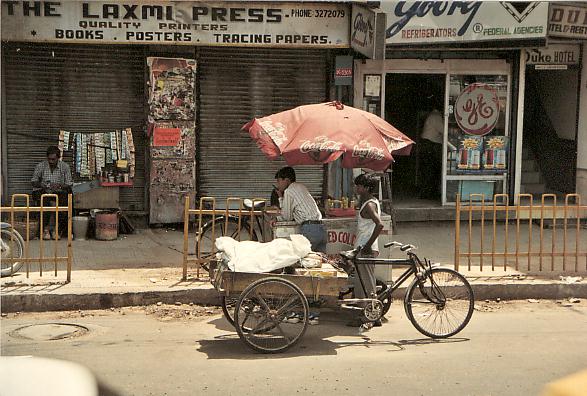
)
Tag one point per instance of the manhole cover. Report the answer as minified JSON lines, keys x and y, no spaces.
{"x":49,"y":331}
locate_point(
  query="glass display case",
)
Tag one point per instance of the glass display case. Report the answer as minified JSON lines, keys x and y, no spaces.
{"x":477,"y":139}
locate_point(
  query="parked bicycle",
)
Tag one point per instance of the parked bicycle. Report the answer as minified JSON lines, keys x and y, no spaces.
{"x":12,"y":248}
{"x":439,"y":301}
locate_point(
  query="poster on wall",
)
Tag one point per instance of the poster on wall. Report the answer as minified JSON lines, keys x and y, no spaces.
{"x":166,"y":136}
{"x":171,"y":96}
{"x":469,"y":154}
{"x":173,"y":139}
{"x":495,"y":149}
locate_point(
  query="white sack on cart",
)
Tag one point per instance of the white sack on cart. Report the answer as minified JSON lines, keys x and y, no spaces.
{"x":256,"y":257}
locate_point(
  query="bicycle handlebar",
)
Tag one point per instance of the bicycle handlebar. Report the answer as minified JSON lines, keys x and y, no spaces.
{"x":402,"y":247}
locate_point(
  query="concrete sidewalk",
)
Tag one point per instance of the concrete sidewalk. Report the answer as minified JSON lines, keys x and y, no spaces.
{"x":146,"y":268}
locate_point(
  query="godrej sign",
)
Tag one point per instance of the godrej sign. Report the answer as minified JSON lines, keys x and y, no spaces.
{"x":429,"y":22}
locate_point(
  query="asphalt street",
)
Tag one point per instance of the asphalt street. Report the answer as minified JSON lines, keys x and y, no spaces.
{"x":509,"y":348}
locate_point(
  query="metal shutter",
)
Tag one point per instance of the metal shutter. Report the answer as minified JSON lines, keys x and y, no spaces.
{"x":236,"y":85}
{"x":78,"y":88}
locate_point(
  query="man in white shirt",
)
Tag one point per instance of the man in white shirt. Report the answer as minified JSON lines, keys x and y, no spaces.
{"x":430,"y":151}
{"x":297,"y":204}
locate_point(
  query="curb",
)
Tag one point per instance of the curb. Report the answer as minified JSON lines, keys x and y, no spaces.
{"x":41,"y":302}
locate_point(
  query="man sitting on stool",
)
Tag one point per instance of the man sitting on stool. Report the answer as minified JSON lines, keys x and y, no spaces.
{"x":52,"y":176}
{"x":297,"y":204}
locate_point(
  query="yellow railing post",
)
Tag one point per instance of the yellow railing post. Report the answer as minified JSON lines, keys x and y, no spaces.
{"x":186,"y":229}
{"x":26,"y":258}
{"x":457,"y":258}
{"x":69,"y":236}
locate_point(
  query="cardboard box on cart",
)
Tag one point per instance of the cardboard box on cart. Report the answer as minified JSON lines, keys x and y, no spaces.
{"x":341,"y":232}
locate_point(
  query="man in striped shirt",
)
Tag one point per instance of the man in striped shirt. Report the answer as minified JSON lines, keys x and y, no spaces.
{"x":52,"y":176}
{"x":297,"y":204}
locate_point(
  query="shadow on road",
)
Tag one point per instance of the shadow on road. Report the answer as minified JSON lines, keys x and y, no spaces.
{"x":321,"y":340}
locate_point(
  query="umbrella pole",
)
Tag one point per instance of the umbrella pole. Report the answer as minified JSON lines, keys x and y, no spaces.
{"x":388,"y":205}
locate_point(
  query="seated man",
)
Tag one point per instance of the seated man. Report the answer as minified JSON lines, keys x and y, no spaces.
{"x":52,"y":176}
{"x":297,"y":204}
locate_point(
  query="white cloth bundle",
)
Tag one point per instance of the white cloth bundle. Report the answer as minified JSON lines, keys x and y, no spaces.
{"x":257,"y":257}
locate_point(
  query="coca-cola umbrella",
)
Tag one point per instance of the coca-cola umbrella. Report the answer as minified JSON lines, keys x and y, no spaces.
{"x":321,"y":133}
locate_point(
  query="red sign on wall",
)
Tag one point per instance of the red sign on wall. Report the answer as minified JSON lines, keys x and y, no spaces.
{"x":166,"y":136}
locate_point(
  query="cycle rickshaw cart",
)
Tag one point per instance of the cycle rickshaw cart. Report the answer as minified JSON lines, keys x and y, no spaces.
{"x":438,"y":302}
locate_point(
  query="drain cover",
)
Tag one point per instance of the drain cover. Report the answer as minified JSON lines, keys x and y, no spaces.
{"x":49,"y":331}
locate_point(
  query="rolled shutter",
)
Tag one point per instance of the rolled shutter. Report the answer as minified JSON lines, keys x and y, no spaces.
{"x":236,"y":85}
{"x":78,"y":88}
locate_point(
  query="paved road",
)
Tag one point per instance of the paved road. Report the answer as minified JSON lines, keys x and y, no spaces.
{"x":509,"y":348}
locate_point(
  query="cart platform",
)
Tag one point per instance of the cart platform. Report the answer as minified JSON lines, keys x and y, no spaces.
{"x":327,"y":281}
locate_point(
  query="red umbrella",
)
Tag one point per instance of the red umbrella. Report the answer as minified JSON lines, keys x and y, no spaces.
{"x":321,"y":133}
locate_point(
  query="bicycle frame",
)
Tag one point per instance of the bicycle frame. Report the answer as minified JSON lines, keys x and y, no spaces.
{"x":413,"y":262}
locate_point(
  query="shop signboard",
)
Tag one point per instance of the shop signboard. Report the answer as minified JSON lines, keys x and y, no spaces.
{"x":368,"y":31}
{"x":262,"y":24}
{"x":567,"y":21}
{"x":430,"y":22}
{"x":554,"y":54}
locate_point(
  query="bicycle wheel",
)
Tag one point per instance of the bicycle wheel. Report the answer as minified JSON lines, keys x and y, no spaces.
{"x":262,"y":311}
{"x":212,"y":230}
{"x":441,"y":304}
{"x":228,"y":307}
{"x":12,"y":246}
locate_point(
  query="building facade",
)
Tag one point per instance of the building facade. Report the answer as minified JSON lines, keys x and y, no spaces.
{"x":183,"y":77}
{"x":477,"y":74}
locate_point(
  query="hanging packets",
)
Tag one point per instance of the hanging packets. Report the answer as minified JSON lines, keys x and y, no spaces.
{"x":78,"y":153}
{"x":91,"y":156}
{"x":100,"y":155}
{"x":108,"y":151}
{"x":131,"y":151}
{"x":113,"y":146}
{"x":60,"y":144}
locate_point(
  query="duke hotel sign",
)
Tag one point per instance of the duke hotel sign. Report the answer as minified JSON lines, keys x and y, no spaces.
{"x":178,"y":22}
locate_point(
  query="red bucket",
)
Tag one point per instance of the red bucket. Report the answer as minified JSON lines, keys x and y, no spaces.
{"x":106,"y":225}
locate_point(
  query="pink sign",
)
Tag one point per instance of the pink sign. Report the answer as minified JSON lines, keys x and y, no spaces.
{"x":477,"y":109}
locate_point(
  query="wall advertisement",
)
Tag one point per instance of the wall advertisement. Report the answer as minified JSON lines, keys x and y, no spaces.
{"x":429,"y":22}
{"x":261,"y":24}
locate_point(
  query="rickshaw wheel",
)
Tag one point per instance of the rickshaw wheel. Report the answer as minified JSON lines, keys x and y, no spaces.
{"x":228,"y":307}
{"x":263,"y":315}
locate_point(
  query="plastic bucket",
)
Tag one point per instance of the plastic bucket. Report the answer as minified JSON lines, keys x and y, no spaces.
{"x":80,"y":227}
{"x":106,"y":225}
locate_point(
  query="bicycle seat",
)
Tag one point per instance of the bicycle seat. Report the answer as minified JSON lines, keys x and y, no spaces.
{"x":248,"y":203}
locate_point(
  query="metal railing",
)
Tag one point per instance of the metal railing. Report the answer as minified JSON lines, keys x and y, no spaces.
{"x":42,"y":259}
{"x":526,"y":236}
{"x":211,"y":222}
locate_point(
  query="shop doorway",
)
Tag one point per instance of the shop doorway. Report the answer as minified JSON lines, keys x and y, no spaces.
{"x":409,"y":100}
{"x":550,"y":130}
